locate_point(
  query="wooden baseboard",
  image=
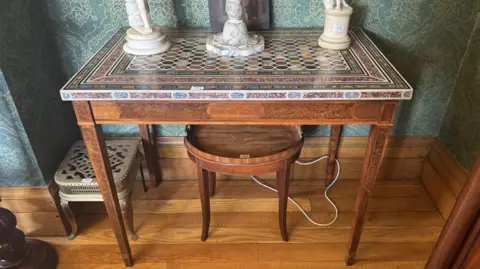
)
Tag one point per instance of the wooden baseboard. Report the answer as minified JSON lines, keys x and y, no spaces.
{"x":404,"y":159}
{"x":443,"y":177}
{"x":35,"y":210}
{"x":37,"y":214}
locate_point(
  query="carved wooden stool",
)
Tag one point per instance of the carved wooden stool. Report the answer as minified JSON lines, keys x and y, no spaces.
{"x":77,"y":183}
{"x":243,"y":150}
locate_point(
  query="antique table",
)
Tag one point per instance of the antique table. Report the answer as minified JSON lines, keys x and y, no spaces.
{"x":292,"y":82}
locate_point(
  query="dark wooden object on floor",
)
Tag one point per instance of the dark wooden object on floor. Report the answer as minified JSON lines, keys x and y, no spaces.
{"x":16,"y":252}
{"x":243,"y":150}
{"x":458,"y":244}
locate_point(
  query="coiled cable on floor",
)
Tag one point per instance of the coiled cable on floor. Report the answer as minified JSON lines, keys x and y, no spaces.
{"x":325,"y":193}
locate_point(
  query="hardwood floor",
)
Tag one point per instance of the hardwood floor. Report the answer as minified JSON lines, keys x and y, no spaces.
{"x":400,"y":232}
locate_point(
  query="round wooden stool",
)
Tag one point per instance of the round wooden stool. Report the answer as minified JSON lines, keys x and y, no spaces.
{"x":243,"y":150}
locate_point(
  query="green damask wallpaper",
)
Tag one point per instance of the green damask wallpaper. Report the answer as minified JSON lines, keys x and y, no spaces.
{"x":34,"y":74}
{"x":461,"y":127}
{"x":425,"y":39}
{"x":18,"y":165}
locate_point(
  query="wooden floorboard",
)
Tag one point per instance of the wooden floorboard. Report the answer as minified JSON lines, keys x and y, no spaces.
{"x":257,"y":265}
{"x":266,"y":220}
{"x":400,"y":230}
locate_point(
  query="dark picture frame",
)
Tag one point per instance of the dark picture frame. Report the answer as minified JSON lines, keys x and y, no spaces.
{"x":256,"y":14}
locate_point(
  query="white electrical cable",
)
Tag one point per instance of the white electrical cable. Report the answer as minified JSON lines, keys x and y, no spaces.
{"x":325,"y":193}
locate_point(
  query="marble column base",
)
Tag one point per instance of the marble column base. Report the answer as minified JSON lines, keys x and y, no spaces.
{"x":140,"y":44}
{"x":334,"y":43}
{"x":255,"y":45}
{"x":335,"y":35}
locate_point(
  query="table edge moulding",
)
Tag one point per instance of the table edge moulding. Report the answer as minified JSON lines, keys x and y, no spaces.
{"x":298,"y":83}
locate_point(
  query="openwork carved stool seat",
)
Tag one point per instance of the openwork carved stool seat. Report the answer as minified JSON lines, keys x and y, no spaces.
{"x":77,"y":182}
{"x":243,"y":150}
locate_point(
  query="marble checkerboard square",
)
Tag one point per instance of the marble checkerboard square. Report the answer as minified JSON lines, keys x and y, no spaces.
{"x":292,"y":67}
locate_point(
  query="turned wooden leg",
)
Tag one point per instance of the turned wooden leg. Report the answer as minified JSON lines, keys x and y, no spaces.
{"x":461,"y":222}
{"x":377,"y":142}
{"x":70,"y":218}
{"x":205,"y":200}
{"x":127,"y":213}
{"x":97,"y":151}
{"x":212,"y":179}
{"x":283,"y":181}
{"x":18,"y":252}
{"x":332,"y":152}
{"x":148,"y":135}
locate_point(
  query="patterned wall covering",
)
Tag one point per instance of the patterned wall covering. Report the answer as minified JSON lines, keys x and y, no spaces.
{"x":29,"y":60}
{"x":425,"y":39}
{"x":461,"y":127}
{"x":18,"y":165}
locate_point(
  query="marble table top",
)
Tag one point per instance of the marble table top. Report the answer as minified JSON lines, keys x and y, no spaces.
{"x":292,"y":67}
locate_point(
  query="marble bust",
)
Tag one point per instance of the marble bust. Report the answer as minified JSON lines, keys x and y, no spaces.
{"x":143,"y":38}
{"x":235,"y":39}
{"x":337,"y":20}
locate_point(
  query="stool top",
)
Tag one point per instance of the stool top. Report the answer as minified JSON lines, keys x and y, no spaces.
{"x":243,"y":141}
{"x":76,"y":168}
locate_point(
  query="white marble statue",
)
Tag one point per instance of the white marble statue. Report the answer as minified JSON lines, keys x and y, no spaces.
{"x":138,"y":12}
{"x":143,"y":38}
{"x":337,"y":4}
{"x":337,"y":20}
{"x":235,"y":40}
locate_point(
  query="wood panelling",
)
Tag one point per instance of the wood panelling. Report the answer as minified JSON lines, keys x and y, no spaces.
{"x":438,"y":190}
{"x":35,"y":210}
{"x":27,"y":205}
{"x":443,"y":177}
{"x":350,"y":147}
{"x":391,"y":169}
{"x":447,"y":166}
{"x":404,"y":159}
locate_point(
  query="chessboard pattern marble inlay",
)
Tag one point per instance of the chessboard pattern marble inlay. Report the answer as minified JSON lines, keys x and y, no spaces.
{"x":190,"y":54}
{"x":292,"y":67}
